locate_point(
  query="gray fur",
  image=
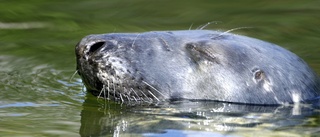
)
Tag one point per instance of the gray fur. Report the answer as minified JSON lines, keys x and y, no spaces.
{"x":193,"y":64}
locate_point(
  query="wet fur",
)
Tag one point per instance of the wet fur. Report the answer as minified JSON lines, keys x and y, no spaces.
{"x":108,"y":72}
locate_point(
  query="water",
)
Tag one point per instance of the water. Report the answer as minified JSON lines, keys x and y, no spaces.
{"x":37,"y":61}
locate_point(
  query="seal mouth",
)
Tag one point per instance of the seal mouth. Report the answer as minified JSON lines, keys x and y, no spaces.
{"x":125,"y":90}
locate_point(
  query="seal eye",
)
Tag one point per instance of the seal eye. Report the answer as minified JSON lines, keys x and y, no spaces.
{"x":201,"y":53}
{"x":94,"y":47}
{"x":190,"y":46}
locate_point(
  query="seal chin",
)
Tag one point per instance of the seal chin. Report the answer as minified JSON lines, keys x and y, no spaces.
{"x":125,"y":88}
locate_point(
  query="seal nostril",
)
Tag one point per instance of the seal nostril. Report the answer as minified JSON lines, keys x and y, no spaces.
{"x":94,"y":47}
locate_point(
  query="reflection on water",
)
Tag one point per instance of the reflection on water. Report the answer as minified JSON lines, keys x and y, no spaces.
{"x":185,"y":118}
{"x":37,"y":40}
{"x":33,"y":102}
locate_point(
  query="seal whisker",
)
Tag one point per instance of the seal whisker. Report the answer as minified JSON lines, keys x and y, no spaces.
{"x":72,"y":76}
{"x":102,"y":90}
{"x":144,"y":95}
{"x":153,"y":88}
{"x":127,"y":93}
{"x":190,"y":26}
{"x":114,"y":90}
{"x":122,"y":92}
{"x":108,"y":89}
{"x":127,"y":98}
{"x":153,"y":95}
{"x":135,"y":93}
{"x":205,"y":25}
{"x":135,"y":39}
{"x":234,"y":29}
{"x":151,"y":100}
{"x":100,"y":93}
{"x":149,"y":85}
{"x":121,"y":97}
{"x":135,"y":98}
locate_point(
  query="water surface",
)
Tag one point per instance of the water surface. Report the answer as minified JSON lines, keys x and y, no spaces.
{"x":37,"y":61}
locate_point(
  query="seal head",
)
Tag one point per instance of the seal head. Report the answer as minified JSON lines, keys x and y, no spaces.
{"x":193,"y":64}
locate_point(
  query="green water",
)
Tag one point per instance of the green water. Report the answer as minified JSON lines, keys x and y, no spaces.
{"x":39,"y":97}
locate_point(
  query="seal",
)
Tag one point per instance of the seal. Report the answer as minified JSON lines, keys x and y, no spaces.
{"x":195,"y":65}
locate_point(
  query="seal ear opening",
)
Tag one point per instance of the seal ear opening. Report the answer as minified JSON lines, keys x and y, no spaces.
{"x":94,"y":47}
{"x":258,"y":74}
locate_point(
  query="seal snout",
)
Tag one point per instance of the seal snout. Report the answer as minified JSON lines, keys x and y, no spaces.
{"x":99,"y":56}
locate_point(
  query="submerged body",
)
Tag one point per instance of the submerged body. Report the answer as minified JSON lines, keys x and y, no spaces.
{"x":193,"y":64}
